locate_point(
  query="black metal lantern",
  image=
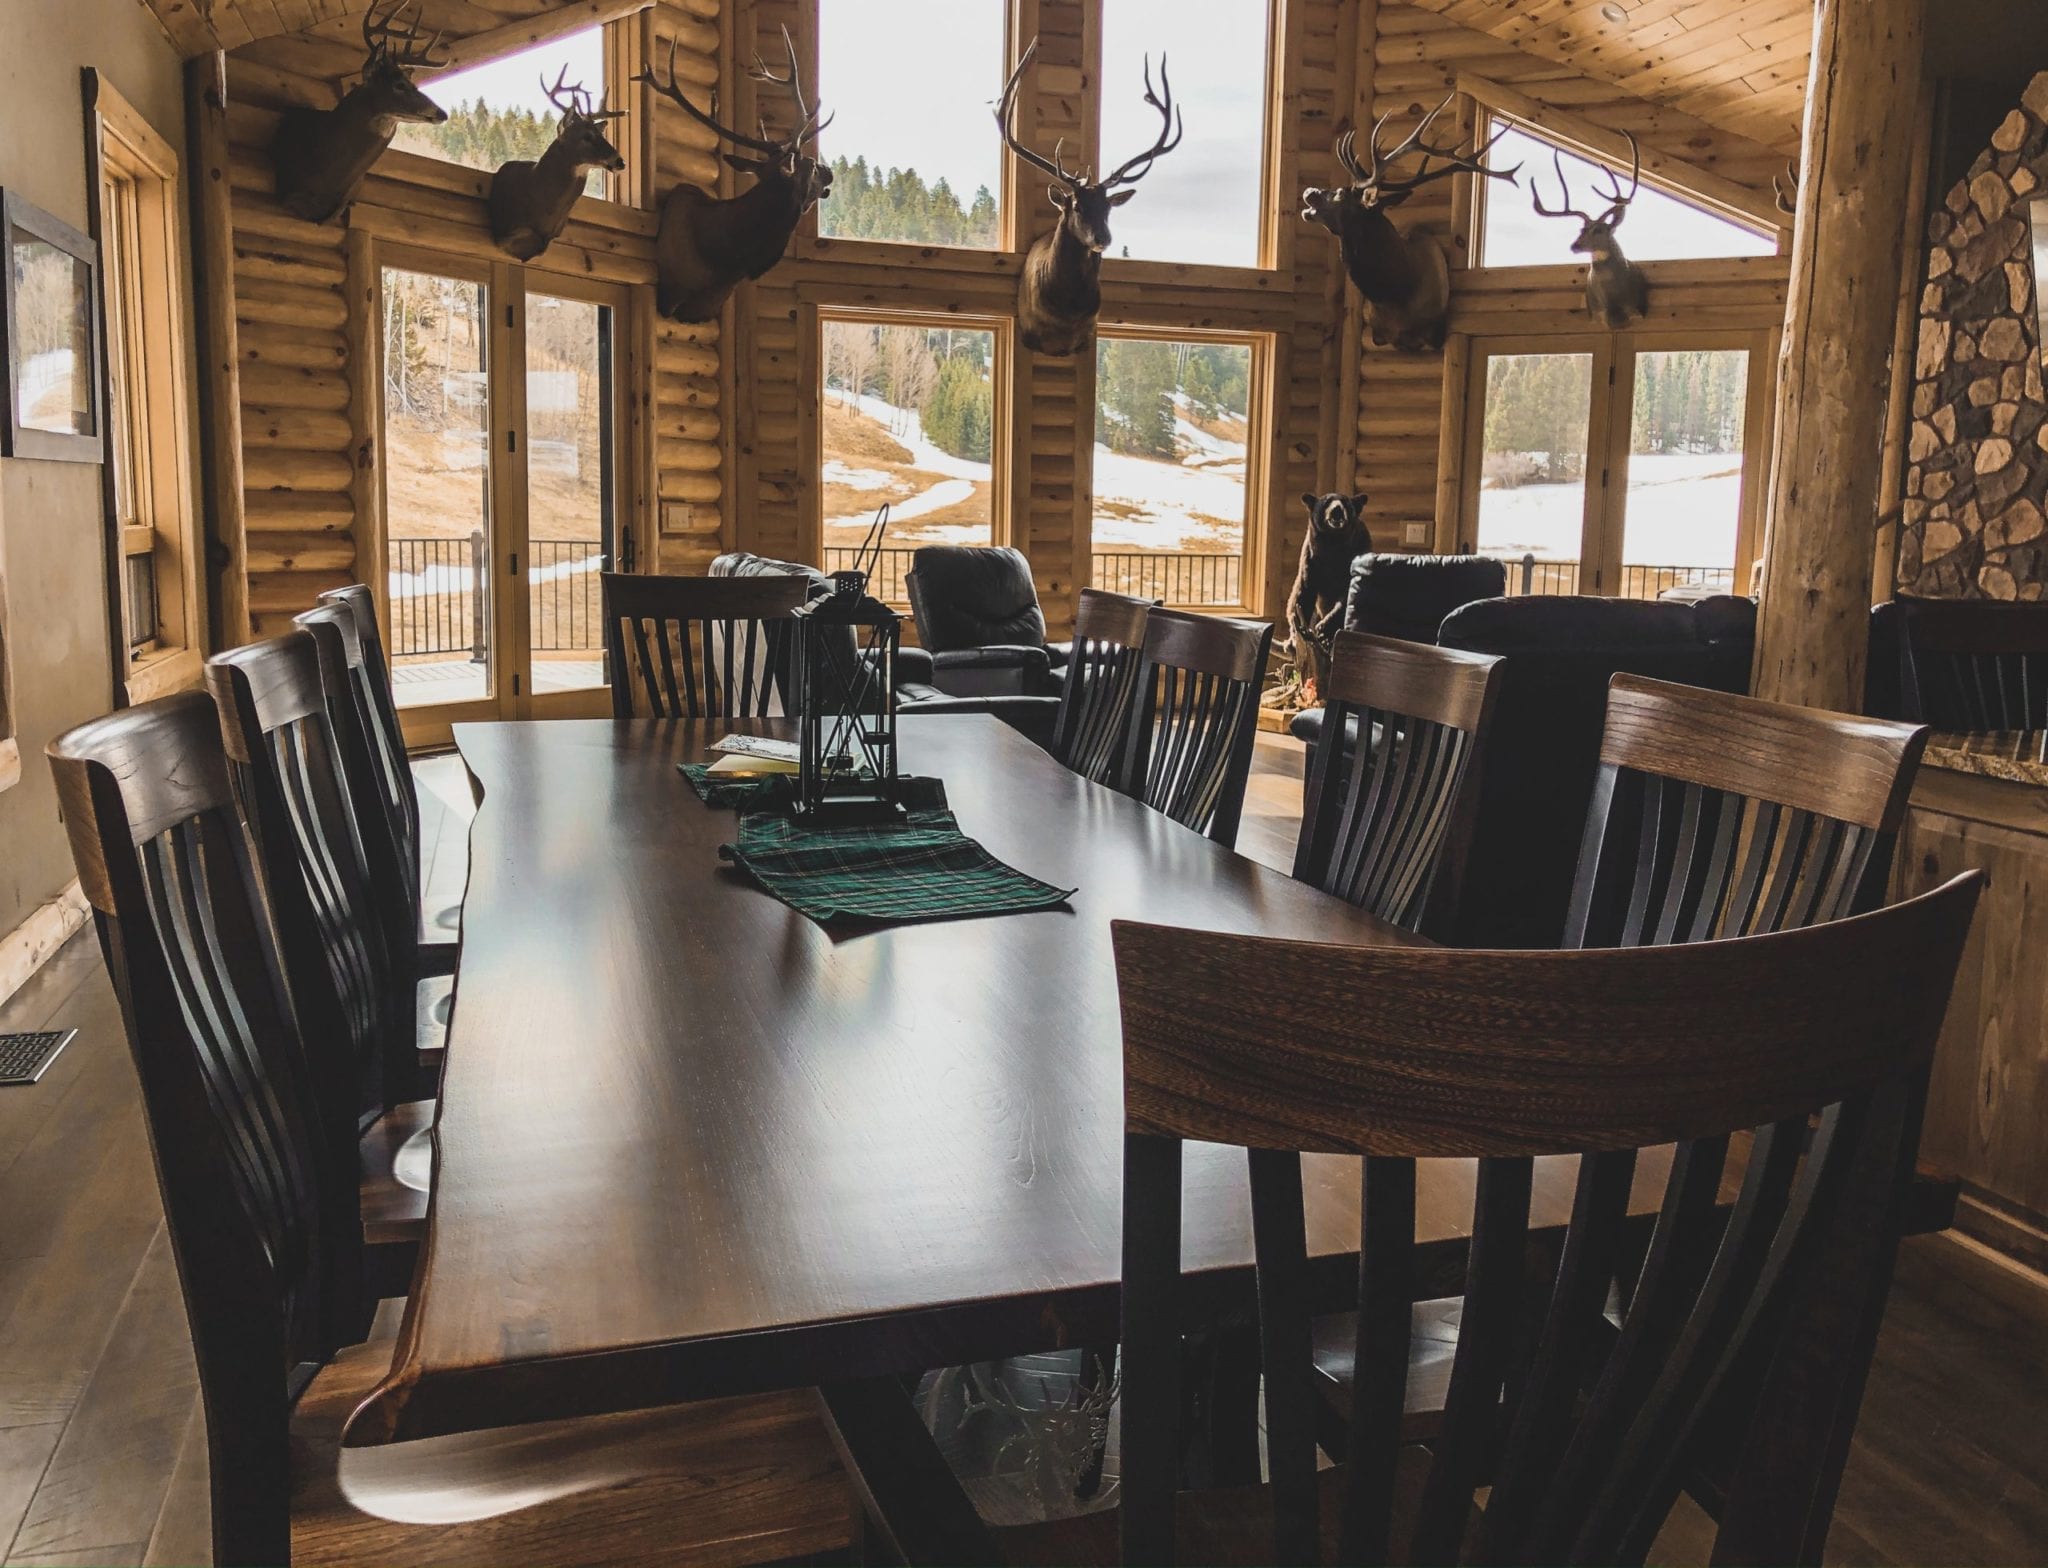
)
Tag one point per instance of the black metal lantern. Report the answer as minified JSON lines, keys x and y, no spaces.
{"x":843,"y":654}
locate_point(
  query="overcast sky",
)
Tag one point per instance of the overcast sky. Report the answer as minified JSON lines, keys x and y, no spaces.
{"x":514,"y":82}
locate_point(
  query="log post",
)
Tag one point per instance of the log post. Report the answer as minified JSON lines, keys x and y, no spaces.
{"x":1813,"y":630}
{"x":225,"y":555}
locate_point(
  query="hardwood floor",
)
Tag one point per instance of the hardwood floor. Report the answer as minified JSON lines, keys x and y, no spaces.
{"x":102,"y":1447}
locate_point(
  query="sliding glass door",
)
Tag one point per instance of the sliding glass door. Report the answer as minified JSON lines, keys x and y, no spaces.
{"x":501,"y":395}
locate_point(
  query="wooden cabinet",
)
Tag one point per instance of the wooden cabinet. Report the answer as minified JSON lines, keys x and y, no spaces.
{"x":1987,"y":1105}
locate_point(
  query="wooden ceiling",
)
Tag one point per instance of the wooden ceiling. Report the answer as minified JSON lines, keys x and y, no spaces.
{"x":1738,"y":64}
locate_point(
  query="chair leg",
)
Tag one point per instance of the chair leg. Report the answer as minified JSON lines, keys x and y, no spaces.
{"x":1220,"y":1414}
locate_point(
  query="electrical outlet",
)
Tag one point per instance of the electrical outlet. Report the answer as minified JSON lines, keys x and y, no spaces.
{"x":1415,"y":533}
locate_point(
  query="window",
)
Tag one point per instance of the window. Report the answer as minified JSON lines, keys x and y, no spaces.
{"x":911,"y":417}
{"x":149,"y":477}
{"x":1202,"y":201}
{"x":500,"y":110}
{"x":571,"y":495}
{"x":1659,"y":227}
{"x":1172,"y":442}
{"x":914,"y":152}
{"x":1616,"y":464}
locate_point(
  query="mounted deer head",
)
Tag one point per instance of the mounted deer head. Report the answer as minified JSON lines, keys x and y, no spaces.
{"x":1617,"y":293}
{"x":1403,"y":278}
{"x":321,"y":155}
{"x":1059,"y":292}
{"x":705,"y":246}
{"x":530,"y":201}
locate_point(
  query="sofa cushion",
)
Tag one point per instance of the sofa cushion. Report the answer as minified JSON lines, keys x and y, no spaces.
{"x":1408,"y":596}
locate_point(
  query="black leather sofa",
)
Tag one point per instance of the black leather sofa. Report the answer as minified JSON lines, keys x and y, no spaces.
{"x":977,"y":615}
{"x":1536,"y":783}
{"x":917,"y":691}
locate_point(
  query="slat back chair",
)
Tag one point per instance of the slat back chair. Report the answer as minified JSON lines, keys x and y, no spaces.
{"x":261,"y":1234}
{"x":379,"y":708}
{"x":1972,"y":665}
{"x":1717,"y":815}
{"x":287,"y":774}
{"x":697,"y":647}
{"x":1101,"y":688}
{"x":1404,"y":1054}
{"x":1386,"y":828}
{"x":1188,"y":752}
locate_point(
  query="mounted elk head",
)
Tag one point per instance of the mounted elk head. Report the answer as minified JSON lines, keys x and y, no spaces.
{"x":321,"y":155}
{"x":530,"y":200}
{"x":1617,"y":293}
{"x":1059,"y":291}
{"x":705,"y":246}
{"x":1404,"y":278}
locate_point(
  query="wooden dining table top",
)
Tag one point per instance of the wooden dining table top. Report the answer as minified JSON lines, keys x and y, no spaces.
{"x":690,"y":1143}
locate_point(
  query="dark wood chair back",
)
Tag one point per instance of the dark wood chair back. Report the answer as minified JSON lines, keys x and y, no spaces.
{"x":696,"y":647}
{"x":1101,"y":689}
{"x":379,"y":708}
{"x":1398,"y":1054}
{"x":1971,"y":665}
{"x":1189,"y":749}
{"x":261,"y":1242}
{"x":392,"y":861}
{"x":1388,"y":819}
{"x":287,"y":777}
{"x":1715,"y":815}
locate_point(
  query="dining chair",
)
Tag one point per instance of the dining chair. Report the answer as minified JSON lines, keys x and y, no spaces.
{"x":1188,"y":751}
{"x":1100,"y":691}
{"x":1397,"y":1055}
{"x":392,"y":860}
{"x":1973,"y":665}
{"x":254,"y":1214}
{"x":286,"y":770}
{"x":1388,"y":819}
{"x":696,"y":647}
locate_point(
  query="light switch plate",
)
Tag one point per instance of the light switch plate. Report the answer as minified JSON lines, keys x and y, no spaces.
{"x":1415,"y":533}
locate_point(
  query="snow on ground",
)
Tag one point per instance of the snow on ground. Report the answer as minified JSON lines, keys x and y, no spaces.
{"x":907,"y":430}
{"x":838,"y":473}
{"x":1683,"y":509}
{"x":1168,"y":496}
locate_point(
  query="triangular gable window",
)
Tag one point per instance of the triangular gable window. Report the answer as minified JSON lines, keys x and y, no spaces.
{"x":1659,"y":226}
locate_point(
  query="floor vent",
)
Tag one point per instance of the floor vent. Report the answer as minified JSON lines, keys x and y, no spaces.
{"x":24,"y":1057}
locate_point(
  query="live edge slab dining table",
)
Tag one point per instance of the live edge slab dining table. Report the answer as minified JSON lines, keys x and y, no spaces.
{"x":692,"y":1144}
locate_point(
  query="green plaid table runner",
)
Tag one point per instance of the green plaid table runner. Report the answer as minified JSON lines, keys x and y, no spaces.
{"x":923,"y":868}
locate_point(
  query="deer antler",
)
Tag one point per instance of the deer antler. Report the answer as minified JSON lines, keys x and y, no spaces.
{"x":1170,"y":130}
{"x":380,"y":29}
{"x":1618,"y":203}
{"x":1053,"y":165}
{"x":577,"y":104}
{"x":670,"y":90}
{"x":1472,"y":161}
{"x":1564,"y":187}
{"x":808,"y":122}
{"x":1785,"y":187}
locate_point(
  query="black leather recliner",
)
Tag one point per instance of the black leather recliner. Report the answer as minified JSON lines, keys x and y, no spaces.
{"x":916,"y":690}
{"x":978,"y":617}
{"x":1543,"y":752}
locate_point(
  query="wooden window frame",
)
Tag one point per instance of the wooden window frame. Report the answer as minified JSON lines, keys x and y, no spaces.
{"x":149,"y":451}
{"x":811,"y":416}
{"x":1259,"y":505}
{"x":1609,"y":414}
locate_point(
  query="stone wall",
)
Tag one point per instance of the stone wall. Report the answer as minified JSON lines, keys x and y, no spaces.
{"x":1977,"y":476}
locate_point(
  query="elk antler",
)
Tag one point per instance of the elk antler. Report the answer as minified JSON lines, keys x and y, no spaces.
{"x":1053,"y":165}
{"x":381,"y":29}
{"x":808,"y":122}
{"x":1785,"y":187}
{"x":1455,"y":161}
{"x":670,"y":90}
{"x":1170,"y":130}
{"x":575,"y":104}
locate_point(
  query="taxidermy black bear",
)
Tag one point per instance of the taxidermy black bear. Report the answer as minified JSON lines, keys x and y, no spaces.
{"x":1315,"y":609}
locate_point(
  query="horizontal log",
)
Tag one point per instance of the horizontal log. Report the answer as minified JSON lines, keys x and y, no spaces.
{"x":316,"y":552}
{"x":298,"y":428}
{"x":268,"y":468}
{"x":267,"y":387}
{"x":277,"y":262}
{"x":694,"y":391}
{"x":294,"y":348}
{"x":293,"y":511}
{"x":689,"y":424}
{"x":690,"y":34}
{"x":281,"y":305}
{"x":252,"y":81}
{"x":675,"y":484}
{"x":288,"y":593}
{"x":258,"y":218}
{"x":691,"y":457}
{"x":686,"y":359}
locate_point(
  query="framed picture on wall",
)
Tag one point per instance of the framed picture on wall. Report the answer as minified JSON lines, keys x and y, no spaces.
{"x":50,"y":331}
